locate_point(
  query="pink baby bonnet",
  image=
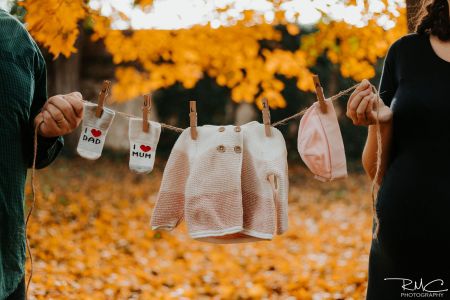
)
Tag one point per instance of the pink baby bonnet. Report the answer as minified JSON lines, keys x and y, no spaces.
{"x":320,"y":143}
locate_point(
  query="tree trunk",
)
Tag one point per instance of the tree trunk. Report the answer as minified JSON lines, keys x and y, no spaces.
{"x":65,"y":78}
{"x":333,"y":81}
{"x":245,"y":113}
{"x":412,"y":8}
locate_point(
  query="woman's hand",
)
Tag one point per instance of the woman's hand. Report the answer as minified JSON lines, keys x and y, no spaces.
{"x":60,"y":115}
{"x":362,"y":105}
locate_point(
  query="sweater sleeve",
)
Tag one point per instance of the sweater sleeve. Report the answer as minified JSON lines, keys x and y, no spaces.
{"x":389,"y":81}
{"x":48,"y":148}
{"x":169,"y":209}
{"x":282,"y":201}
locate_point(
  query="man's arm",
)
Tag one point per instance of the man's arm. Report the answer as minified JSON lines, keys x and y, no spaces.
{"x":54,"y":117}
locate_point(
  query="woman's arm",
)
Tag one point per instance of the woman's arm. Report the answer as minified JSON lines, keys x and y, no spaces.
{"x":361,"y":108}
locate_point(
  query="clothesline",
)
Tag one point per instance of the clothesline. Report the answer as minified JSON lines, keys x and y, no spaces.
{"x":127,"y":115}
{"x":276,"y":124}
{"x":303,"y":111}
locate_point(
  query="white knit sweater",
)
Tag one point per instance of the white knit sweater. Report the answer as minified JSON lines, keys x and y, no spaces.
{"x":220,"y":184}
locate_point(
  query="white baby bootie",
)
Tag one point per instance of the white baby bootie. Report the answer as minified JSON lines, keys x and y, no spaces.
{"x":94,"y":131}
{"x":143,"y":145}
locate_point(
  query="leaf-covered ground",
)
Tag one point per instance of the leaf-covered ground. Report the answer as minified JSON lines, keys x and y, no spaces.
{"x":91,"y":239}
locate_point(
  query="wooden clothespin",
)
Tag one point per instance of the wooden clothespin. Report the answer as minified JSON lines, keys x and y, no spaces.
{"x":193,"y":118}
{"x":266,"y":117}
{"x":101,"y":98}
{"x":319,"y":94}
{"x":145,"y":110}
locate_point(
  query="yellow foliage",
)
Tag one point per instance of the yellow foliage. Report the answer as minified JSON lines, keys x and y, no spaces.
{"x":186,"y":55}
{"x":91,"y":239}
{"x":144,"y":3}
{"x":54,"y":23}
{"x":229,"y":54}
{"x":355,"y":49}
{"x":293,"y":29}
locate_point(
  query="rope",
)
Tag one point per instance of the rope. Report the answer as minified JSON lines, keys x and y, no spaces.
{"x":33,"y":202}
{"x":126,"y":115}
{"x":278,"y":123}
{"x":377,"y":172}
{"x":179,"y":130}
{"x":303,"y":111}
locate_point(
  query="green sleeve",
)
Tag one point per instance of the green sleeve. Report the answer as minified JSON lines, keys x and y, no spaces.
{"x":48,"y":148}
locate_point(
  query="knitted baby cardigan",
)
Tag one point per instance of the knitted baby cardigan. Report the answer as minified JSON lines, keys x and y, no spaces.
{"x":230,"y":184}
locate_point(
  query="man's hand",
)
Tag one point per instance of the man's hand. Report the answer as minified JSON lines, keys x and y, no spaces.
{"x":60,"y":115}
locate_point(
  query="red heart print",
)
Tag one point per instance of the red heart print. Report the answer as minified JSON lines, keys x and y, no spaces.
{"x":145,"y":148}
{"x":95,"y":132}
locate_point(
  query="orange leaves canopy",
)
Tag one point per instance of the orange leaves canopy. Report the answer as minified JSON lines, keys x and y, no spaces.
{"x":231,"y":54}
{"x":356,"y":50}
{"x":54,"y":23}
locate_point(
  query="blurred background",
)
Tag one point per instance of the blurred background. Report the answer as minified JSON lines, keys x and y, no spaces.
{"x":90,"y":233}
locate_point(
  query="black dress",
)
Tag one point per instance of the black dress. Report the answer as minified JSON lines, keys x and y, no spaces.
{"x":413,"y":206}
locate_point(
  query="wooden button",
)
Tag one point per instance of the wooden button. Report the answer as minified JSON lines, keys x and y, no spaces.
{"x":221,"y":148}
{"x":237,"y":129}
{"x":221,"y":129}
{"x":237,"y":149}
